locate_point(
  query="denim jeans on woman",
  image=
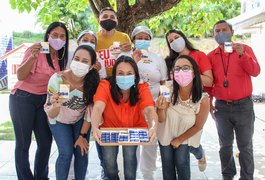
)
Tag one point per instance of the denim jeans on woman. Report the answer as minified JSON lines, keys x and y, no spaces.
{"x":110,"y":153}
{"x":175,"y":162}
{"x":27,"y":114}
{"x":197,"y":152}
{"x":103,"y":174}
{"x":65,"y":136}
{"x":236,"y":118}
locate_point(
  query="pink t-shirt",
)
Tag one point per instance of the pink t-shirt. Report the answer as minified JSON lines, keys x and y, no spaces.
{"x":38,"y":78}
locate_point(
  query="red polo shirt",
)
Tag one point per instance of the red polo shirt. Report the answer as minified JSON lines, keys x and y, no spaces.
{"x":239,"y":72}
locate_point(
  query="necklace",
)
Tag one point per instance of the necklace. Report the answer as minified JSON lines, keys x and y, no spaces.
{"x":62,"y":55}
{"x":187,"y":104}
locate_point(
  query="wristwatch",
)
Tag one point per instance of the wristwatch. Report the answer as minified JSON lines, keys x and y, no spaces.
{"x":84,"y":135}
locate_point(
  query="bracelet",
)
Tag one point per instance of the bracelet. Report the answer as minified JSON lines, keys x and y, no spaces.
{"x":84,"y":135}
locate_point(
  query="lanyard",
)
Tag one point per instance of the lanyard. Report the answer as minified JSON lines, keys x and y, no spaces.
{"x":227,"y":65}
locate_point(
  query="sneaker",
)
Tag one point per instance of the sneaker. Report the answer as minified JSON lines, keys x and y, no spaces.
{"x":202,"y":162}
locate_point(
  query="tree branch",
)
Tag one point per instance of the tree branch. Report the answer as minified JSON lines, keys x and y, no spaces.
{"x":102,"y":3}
{"x":97,"y":5}
{"x":145,"y":10}
{"x":122,"y":5}
{"x":94,"y":8}
{"x":140,"y":2}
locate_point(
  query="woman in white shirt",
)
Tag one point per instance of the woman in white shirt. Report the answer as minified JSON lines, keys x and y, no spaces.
{"x":153,"y":70}
{"x":182,"y":119}
{"x":89,"y":38}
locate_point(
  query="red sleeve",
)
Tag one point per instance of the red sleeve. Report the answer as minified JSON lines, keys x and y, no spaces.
{"x":145,"y":96}
{"x":209,"y":89}
{"x":203,"y":62}
{"x":103,"y":92}
{"x":249,"y":62}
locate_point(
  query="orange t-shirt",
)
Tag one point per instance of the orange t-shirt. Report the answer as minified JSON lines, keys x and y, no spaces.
{"x":123,"y":115}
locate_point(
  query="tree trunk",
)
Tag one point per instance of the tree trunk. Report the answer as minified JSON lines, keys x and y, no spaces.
{"x":129,"y":16}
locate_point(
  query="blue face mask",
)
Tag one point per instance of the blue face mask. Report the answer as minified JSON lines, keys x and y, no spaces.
{"x":88,"y":44}
{"x":223,"y":37}
{"x":125,"y":82}
{"x":142,"y":44}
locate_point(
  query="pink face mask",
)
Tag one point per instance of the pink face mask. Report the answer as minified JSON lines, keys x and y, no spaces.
{"x":183,"y":78}
{"x":56,"y":44}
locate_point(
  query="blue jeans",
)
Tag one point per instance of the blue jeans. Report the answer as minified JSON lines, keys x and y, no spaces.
{"x":238,"y":118}
{"x":65,"y":136}
{"x":197,"y":152}
{"x":110,"y":154}
{"x":27,"y":114}
{"x":100,"y":156}
{"x":175,"y":159}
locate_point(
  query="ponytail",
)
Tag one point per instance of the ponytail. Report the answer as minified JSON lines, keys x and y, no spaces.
{"x":90,"y":86}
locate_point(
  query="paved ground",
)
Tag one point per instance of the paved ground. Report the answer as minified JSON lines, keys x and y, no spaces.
{"x":209,"y":142}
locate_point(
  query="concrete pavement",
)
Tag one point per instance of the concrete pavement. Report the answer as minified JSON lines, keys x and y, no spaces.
{"x":209,"y":143}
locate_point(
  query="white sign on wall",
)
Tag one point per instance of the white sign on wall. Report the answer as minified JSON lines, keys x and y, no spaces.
{"x":13,"y":61}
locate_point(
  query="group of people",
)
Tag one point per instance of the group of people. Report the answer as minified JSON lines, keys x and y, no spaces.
{"x":112,"y":80}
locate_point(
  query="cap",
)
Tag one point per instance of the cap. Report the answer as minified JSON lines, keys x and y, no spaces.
{"x":87,"y":32}
{"x":139,"y":29}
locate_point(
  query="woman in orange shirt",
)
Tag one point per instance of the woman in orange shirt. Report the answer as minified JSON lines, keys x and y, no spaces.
{"x":123,"y":103}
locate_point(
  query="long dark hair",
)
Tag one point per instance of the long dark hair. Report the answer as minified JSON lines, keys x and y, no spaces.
{"x":91,"y":79}
{"x":172,"y":54}
{"x":196,"y":85}
{"x":63,"y":52}
{"x":115,"y":90}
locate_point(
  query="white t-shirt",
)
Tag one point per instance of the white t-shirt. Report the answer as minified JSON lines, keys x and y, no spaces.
{"x":102,"y":71}
{"x":179,"y":118}
{"x":153,"y":71}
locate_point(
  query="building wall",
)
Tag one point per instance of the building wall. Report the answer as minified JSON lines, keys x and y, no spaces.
{"x":6,"y":45}
{"x":257,"y":39}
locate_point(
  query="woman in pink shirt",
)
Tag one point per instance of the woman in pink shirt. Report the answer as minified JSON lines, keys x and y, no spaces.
{"x":28,"y":97}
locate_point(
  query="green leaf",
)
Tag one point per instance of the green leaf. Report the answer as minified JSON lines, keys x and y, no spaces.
{"x":13,"y":4}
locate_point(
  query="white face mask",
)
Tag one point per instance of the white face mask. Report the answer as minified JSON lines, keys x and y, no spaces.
{"x":79,"y":69}
{"x":178,"y":44}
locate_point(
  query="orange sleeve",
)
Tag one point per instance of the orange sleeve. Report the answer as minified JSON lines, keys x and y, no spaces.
{"x":145,"y":96}
{"x":103,"y":92}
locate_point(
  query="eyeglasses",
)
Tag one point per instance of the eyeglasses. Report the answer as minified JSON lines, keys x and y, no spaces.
{"x":184,"y":68}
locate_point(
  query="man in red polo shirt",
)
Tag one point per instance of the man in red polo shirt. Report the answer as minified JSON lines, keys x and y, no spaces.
{"x":232,"y":89}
